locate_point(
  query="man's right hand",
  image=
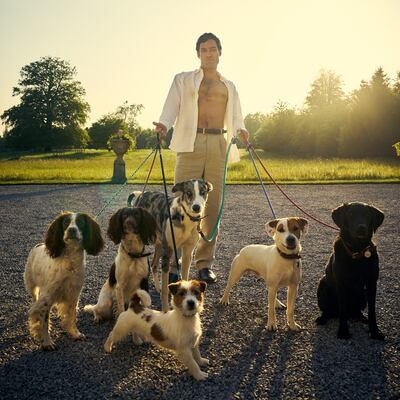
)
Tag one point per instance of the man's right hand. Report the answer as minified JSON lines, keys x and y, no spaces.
{"x":161,"y":129}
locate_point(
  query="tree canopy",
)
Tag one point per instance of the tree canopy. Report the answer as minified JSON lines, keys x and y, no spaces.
{"x":51,"y":109}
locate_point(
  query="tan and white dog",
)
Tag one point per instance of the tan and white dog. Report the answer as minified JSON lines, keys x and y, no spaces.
{"x":278,"y":264}
{"x":178,"y":330}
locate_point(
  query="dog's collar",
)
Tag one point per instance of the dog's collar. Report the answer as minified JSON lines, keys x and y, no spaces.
{"x":356,"y":255}
{"x":137,"y":255}
{"x":193,"y":219}
{"x":296,"y":256}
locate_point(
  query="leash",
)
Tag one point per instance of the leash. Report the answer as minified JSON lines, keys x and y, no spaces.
{"x":158,"y":147}
{"x":261,"y":181}
{"x":122,"y":186}
{"x":214,"y":231}
{"x":250,"y":146}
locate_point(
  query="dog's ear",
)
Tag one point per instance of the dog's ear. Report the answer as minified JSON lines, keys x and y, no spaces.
{"x":303,"y":225}
{"x":147,"y":226}
{"x":378,"y":217}
{"x":270,"y":227}
{"x":209,"y":185}
{"x":338,"y":215}
{"x":173,"y":287}
{"x":54,"y":240}
{"x":202,"y":285}
{"x":115,"y":230}
{"x":178,"y":187}
{"x":92,"y":239}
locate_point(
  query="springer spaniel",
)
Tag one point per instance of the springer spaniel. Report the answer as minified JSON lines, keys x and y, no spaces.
{"x":132,"y":228}
{"x":55,"y":271}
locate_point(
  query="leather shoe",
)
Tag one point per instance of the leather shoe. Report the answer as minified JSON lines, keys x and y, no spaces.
{"x":172,"y":278}
{"x":207,"y":275}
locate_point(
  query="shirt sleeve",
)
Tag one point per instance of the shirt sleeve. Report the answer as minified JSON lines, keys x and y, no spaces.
{"x":238,"y":122}
{"x":171,"y":105}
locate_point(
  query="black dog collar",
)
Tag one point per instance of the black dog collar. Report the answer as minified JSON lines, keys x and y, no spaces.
{"x":288,"y":256}
{"x":137,"y":255}
{"x":193,"y":219}
{"x":356,"y":255}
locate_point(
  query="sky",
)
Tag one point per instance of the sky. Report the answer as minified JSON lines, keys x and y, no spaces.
{"x":130,"y":50}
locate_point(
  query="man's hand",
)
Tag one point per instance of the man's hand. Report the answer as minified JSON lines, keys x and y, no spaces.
{"x":244,"y":136}
{"x":161,"y":129}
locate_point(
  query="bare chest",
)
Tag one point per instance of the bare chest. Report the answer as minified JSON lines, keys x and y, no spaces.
{"x":213,"y":90}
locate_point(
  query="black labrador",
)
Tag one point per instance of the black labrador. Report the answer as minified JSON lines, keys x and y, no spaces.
{"x":352,"y":270}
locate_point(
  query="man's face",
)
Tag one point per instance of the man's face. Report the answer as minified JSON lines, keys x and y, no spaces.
{"x":209,"y":54}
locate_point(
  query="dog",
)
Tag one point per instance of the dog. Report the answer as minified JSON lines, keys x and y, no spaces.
{"x":187,"y":210}
{"x":55,"y":271}
{"x":278,"y":264}
{"x":352,"y":271}
{"x":132,"y":229}
{"x":178,"y":329}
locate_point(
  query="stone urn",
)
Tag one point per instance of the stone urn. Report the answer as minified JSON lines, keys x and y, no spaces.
{"x":120,"y":147}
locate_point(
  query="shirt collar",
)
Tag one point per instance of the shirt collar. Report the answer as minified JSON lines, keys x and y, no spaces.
{"x":200,"y":71}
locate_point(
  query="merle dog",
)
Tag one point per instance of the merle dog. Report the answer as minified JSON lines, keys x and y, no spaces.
{"x":352,"y":271}
{"x":187,"y":210}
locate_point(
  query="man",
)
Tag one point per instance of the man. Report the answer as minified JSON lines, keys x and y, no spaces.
{"x":200,"y":104}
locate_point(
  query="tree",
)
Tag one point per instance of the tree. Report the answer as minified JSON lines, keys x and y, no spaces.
{"x":51,"y":102}
{"x":102,"y":129}
{"x":128,"y":113}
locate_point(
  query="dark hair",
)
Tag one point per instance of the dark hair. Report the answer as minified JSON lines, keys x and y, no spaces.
{"x":208,"y":36}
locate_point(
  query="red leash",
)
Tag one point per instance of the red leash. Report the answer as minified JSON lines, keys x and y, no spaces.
{"x":250,"y":146}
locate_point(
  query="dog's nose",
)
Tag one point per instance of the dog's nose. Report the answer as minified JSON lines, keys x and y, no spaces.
{"x":291,"y":241}
{"x":362,"y":229}
{"x":190,"y":304}
{"x":195,"y":207}
{"x":72,"y":231}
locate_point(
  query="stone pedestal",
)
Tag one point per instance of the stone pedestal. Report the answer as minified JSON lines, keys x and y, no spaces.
{"x":120,"y":147}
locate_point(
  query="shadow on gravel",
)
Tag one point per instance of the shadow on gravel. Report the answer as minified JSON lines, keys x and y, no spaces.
{"x":43,"y":192}
{"x":355,"y":366}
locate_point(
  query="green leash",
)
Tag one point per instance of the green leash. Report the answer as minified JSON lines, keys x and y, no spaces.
{"x":214,"y":232}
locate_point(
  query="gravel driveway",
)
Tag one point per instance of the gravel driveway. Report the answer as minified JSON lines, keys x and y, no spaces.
{"x":246,"y":361}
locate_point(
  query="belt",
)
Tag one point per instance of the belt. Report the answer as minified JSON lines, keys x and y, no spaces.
{"x":213,"y":131}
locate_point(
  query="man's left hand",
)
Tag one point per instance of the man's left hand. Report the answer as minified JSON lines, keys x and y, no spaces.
{"x":244,"y":136}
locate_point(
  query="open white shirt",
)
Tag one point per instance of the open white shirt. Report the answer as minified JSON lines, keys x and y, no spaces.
{"x":181,"y":109}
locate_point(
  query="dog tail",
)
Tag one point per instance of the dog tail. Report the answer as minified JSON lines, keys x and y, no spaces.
{"x":140,"y":300}
{"x":132,"y":197}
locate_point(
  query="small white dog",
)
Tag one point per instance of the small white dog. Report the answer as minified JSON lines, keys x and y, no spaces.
{"x":55,"y":271}
{"x":279,"y":265}
{"x":178,"y":329}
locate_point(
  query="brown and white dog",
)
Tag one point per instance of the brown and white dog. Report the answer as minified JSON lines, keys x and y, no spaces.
{"x":279,"y":265}
{"x":132,"y":229}
{"x":178,"y":329}
{"x":55,"y":271}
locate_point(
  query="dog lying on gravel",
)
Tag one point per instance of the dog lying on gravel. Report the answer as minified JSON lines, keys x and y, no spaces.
{"x":352,"y":271}
{"x":279,"y":265}
{"x":55,"y":271}
{"x":132,"y":229}
{"x":178,"y":330}
{"x":187,"y":210}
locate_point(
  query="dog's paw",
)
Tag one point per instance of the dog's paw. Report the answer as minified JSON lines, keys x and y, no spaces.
{"x":137,"y":339}
{"x":272,"y":326}
{"x":78,"y":336}
{"x":295,"y":327}
{"x":203,"y":362}
{"x":224,"y":300}
{"x":343,"y":333}
{"x":48,"y":346}
{"x":200,"y":376}
{"x":108,"y":346}
{"x":377,"y":335}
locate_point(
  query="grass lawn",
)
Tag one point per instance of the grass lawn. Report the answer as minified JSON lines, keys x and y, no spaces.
{"x":96,"y":166}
